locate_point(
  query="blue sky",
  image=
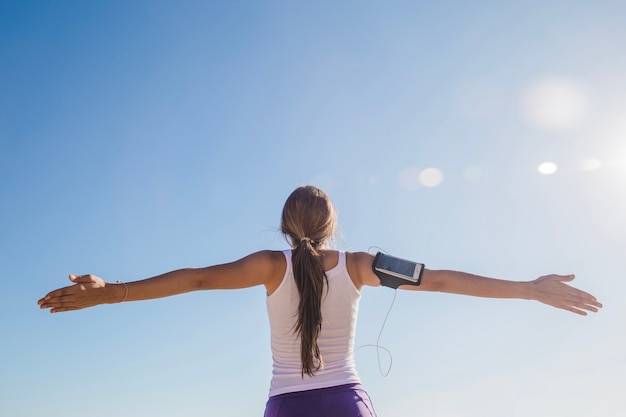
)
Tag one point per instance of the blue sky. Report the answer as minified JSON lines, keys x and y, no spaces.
{"x":139,"y":137}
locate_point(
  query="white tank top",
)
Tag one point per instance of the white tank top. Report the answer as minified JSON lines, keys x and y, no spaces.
{"x":340,"y":305}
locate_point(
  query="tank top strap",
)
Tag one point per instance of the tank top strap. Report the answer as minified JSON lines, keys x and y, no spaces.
{"x":341,"y":262}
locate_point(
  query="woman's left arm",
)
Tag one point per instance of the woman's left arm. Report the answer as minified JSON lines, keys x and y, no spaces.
{"x":551,"y":289}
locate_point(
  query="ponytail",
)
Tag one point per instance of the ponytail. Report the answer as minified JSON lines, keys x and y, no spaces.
{"x":310,"y":276}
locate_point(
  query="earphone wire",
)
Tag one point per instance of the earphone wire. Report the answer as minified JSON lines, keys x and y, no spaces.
{"x":380,"y":333}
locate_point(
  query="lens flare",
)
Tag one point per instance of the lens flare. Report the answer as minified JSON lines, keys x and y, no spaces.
{"x":547,"y":168}
{"x":431,"y":177}
{"x":472,"y":173}
{"x":590,"y":164}
{"x":556,"y":104}
{"x":409,"y":178}
{"x":412,"y":178}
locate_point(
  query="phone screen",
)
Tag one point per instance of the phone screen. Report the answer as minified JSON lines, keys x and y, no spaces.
{"x":397,"y":265}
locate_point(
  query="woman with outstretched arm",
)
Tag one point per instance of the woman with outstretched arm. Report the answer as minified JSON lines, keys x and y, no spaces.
{"x":313,"y":295}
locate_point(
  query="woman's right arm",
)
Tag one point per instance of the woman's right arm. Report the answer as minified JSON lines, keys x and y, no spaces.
{"x":89,"y":290}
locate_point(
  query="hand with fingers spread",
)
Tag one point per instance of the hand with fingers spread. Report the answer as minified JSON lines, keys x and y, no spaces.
{"x":87,"y":291}
{"x":553,"y":290}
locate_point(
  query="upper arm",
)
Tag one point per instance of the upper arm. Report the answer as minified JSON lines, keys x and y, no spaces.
{"x":360,"y":269}
{"x":260,"y":268}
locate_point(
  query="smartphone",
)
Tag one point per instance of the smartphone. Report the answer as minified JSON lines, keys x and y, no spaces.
{"x":393,"y":271}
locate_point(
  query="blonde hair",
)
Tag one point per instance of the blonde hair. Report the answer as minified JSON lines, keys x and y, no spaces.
{"x":308,"y":223}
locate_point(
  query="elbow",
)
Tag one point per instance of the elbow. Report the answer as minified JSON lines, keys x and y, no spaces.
{"x":198,"y":280}
{"x":433,"y":281}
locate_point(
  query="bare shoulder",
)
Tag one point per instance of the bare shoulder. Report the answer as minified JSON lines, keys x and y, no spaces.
{"x":360,"y":269}
{"x":274,"y":265}
{"x":270,"y":261}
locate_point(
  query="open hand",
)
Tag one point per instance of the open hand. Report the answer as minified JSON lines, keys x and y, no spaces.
{"x":553,"y":290}
{"x":87,"y":291}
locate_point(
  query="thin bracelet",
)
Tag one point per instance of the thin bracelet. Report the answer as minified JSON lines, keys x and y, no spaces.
{"x":125,"y":286}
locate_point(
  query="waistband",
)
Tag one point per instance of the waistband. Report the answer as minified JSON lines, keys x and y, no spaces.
{"x":320,"y":391}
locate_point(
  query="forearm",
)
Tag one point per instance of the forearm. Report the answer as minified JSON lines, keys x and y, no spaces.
{"x":252,"y":270}
{"x":165,"y":285}
{"x":548,"y":289}
{"x":456,"y":282}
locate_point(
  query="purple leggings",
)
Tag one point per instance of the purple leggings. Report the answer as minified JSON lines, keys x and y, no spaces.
{"x":349,"y":400}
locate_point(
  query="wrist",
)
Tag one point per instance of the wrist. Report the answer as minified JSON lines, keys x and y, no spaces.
{"x":526,"y":291}
{"x":116,"y":293}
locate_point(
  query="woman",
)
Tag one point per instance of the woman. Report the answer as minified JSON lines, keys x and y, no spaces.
{"x":312,"y":301}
